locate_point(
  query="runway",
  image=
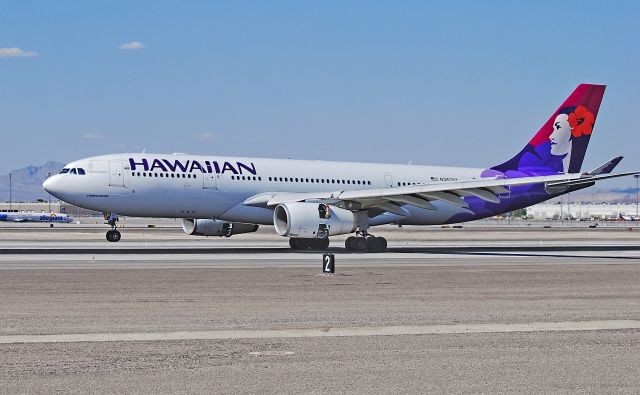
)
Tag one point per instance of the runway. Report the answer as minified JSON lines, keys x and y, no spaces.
{"x":195,"y":316}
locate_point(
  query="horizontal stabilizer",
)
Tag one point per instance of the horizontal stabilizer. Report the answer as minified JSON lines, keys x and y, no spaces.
{"x":606,"y":167}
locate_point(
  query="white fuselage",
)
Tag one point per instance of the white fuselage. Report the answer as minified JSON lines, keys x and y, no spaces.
{"x":190,"y":186}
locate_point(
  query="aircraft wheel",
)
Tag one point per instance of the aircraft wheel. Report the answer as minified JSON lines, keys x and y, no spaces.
{"x":298,"y":244}
{"x":348,"y":244}
{"x":376,"y":244}
{"x":116,"y":236}
{"x":293,"y":243}
{"x":113,"y":236}
{"x":319,"y":244}
{"x":360,"y":244}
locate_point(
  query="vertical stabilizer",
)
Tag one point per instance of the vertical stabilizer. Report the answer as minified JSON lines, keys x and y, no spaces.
{"x":561,"y":143}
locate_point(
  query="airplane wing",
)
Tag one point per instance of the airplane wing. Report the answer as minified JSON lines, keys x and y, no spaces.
{"x":391,"y":199}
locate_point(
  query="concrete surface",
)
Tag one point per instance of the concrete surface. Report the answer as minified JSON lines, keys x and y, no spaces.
{"x":265,"y":320}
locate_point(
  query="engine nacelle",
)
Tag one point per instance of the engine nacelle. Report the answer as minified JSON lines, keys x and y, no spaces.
{"x":212,"y":227}
{"x":312,"y":220}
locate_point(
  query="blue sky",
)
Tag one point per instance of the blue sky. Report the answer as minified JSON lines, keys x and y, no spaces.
{"x":447,"y":83}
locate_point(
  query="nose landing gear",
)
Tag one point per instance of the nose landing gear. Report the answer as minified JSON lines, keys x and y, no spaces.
{"x":113,"y":235}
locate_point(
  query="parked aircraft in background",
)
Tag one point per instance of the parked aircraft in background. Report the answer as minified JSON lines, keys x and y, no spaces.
{"x":35,"y":217}
{"x":309,"y":201}
{"x":622,"y":217}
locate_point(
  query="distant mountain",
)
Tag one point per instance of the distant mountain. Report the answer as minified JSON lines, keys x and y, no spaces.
{"x":26,"y":183}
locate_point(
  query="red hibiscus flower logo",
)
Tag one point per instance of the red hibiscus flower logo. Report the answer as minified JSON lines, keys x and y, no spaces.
{"x":581,"y":121}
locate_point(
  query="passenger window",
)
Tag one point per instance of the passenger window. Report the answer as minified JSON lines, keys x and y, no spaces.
{"x":233,"y":177}
{"x":144,"y":174}
{"x":81,"y":171}
{"x":259,"y":178}
{"x":173,"y":175}
{"x":369,"y":182}
{"x":138,"y":174}
{"x":133,"y":174}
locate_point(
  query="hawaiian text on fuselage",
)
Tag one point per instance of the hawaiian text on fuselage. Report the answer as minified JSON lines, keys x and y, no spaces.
{"x":190,"y":166}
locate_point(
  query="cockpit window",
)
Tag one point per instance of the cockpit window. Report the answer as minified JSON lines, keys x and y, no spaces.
{"x":81,"y":171}
{"x":63,"y":171}
{"x":73,"y":171}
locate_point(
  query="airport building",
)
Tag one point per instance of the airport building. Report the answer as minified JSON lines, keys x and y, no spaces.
{"x":46,"y":207}
{"x":545,"y":211}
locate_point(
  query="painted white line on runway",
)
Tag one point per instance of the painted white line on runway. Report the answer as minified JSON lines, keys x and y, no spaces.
{"x":326,"y":332}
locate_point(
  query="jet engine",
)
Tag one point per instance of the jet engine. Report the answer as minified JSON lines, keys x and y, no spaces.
{"x":212,"y":227}
{"x":312,"y":220}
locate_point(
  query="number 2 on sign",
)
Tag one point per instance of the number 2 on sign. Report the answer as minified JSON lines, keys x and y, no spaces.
{"x":327,"y":262}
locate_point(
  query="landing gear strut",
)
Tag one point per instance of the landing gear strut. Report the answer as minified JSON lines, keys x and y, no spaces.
{"x":366,"y":243}
{"x":113,"y":235}
{"x":314,"y":244}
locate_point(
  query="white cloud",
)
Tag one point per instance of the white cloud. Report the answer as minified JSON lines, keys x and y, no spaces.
{"x":207,"y":136}
{"x":92,"y":136}
{"x":16,"y":53}
{"x":132,"y":45}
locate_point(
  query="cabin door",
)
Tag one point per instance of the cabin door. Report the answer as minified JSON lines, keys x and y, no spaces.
{"x":116,"y":174}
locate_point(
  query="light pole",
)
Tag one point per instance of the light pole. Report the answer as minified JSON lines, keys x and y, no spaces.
{"x":49,"y":195}
{"x":10,"y":195}
{"x":636,"y":176}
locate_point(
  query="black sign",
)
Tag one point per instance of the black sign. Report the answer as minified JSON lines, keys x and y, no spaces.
{"x":328,"y":263}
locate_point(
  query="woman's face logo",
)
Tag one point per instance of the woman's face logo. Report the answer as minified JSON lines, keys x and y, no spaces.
{"x":561,"y":135}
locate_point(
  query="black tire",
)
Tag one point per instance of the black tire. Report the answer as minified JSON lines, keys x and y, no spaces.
{"x":372,"y":244}
{"x":303,"y":244}
{"x":293,"y":243}
{"x":360,"y":244}
{"x":109,"y":235}
{"x":323,"y":243}
{"x":382,"y":244}
{"x":115,"y":236}
{"x":348,"y":244}
{"x":319,"y":244}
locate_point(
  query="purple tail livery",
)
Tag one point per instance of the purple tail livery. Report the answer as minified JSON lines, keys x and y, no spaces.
{"x":561,"y":143}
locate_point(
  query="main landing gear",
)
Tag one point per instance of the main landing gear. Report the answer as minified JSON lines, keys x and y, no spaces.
{"x":305,"y":244}
{"x":113,"y":235}
{"x":366,"y":243}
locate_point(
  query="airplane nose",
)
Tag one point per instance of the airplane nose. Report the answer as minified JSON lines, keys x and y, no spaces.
{"x":52,"y":185}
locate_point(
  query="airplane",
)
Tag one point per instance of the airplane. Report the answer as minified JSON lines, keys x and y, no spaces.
{"x":35,"y":217}
{"x":622,"y":217}
{"x":308,"y":201}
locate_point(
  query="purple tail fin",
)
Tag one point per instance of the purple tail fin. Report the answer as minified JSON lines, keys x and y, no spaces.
{"x":561,"y":143}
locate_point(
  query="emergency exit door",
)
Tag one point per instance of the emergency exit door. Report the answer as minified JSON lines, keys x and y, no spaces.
{"x":210,"y":180}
